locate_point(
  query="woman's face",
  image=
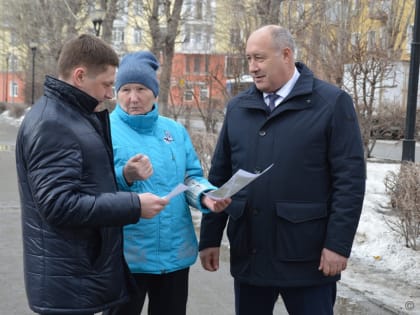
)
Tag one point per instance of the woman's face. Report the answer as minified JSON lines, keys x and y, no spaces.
{"x":135,"y":99}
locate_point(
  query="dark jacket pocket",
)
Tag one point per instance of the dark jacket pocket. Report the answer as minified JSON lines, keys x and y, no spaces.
{"x":300,"y":230}
{"x":238,"y":231}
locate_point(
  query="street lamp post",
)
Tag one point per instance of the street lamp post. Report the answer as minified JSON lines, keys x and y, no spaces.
{"x":97,"y":19}
{"x":409,"y":143}
{"x":6,"y":85}
{"x":33,"y":47}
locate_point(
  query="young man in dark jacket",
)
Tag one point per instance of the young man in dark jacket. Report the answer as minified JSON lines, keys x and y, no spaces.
{"x":72,"y":213}
{"x":291,"y":231}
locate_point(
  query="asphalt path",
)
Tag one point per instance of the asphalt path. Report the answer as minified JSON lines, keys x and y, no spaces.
{"x":392,"y":150}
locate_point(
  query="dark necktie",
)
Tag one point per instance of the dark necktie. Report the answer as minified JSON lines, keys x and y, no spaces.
{"x":272,"y":101}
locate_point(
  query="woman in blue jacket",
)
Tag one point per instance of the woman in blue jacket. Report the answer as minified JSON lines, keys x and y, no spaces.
{"x":153,"y":153}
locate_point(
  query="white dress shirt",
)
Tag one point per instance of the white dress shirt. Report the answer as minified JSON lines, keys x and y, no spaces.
{"x":284,"y":90}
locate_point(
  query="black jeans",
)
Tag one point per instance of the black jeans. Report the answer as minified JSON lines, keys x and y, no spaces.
{"x":167,"y":293}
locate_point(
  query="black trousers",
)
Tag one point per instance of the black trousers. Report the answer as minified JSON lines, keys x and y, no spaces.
{"x":251,"y":300}
{"x":167,"y":293}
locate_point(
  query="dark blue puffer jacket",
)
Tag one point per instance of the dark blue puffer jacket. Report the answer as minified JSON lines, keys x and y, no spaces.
{"x":71,"y":211}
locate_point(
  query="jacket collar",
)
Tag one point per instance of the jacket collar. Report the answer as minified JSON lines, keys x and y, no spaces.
{"x":70,"y":94}
{"x":141,"y":123}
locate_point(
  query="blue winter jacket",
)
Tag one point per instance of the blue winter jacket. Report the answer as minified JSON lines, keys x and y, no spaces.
{"x":167,"y":242}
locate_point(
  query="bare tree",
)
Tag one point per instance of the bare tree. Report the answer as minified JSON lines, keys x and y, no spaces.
{"x":111,"y":9}
{"x":367,"y":74}
{"x":397,"y":16}
{"x":204,"y":143}
{"x":47,"y":23}
{"x":163,"y":19}
{"x":210,"y":109}
{"x":371,"y":58}
{"x":327,"y":39}
{"x":268,"y":11}
{"x":208,"y":103}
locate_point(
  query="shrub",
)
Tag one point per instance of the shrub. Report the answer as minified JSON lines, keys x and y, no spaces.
{"x":204,"y":144}
{"x":388,"y":122}
{"x":404,"y":191}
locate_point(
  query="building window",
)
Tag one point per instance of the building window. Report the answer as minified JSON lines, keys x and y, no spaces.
{"x":206,"y":63}
{"x":137,"y":36}
{"x":162,"y":8}
{"x":355,"y":39}
{"x":197,"y":64}
{"x":198,"y":39}
{"x":235,"y":36}
{"x":187,"y":63}
{"x":187,"y":35}
{"x":138,"y":7}
{"x":199,"y":10}
{"x":188,"y":95}
{"x":371,"y":40}
{"x":355,"y":6}
{"x":14,"y":88}
{"x":384,"y":38}
{"x":118,"y":35}
{"x":300,"y":8}
{"x":235,"y":66}
{"x":204,"y":93}
{"x":13,"y":63}
{"x":122,"y":8}
{"x":187,"y":9}
{"x":333,"y":12}
{"x":13,"y":39}
{"x":371,"y":6}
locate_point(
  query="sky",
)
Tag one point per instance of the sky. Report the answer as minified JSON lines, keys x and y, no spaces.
{"x":380,"y":265}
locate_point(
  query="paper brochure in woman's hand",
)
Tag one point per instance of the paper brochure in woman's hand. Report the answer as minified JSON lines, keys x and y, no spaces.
{"x":180,"y":188}
{"x":238,"y":181}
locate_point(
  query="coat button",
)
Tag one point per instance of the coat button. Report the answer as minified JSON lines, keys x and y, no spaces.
{"x":255,"y":211}
{"x":254,"y":251}
{"x":262,"y":133}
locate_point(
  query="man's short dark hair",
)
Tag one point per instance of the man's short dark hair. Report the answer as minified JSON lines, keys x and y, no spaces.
{"x":88,"y":51}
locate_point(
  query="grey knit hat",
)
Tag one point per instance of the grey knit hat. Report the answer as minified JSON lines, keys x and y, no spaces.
{"x":139,"y":67}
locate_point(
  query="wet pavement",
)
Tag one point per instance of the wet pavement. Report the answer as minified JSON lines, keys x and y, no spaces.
{"x":210,"y":293}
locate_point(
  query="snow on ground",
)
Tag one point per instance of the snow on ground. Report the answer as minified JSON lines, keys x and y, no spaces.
{"x":380,"y":265}
{"x":5,"y":116}
{"x":375,"y":242}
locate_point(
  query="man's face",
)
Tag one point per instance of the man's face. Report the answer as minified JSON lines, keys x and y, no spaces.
{"x":136,"y":99}
{"x":99,"y":86}
{"x":269,"y":67}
